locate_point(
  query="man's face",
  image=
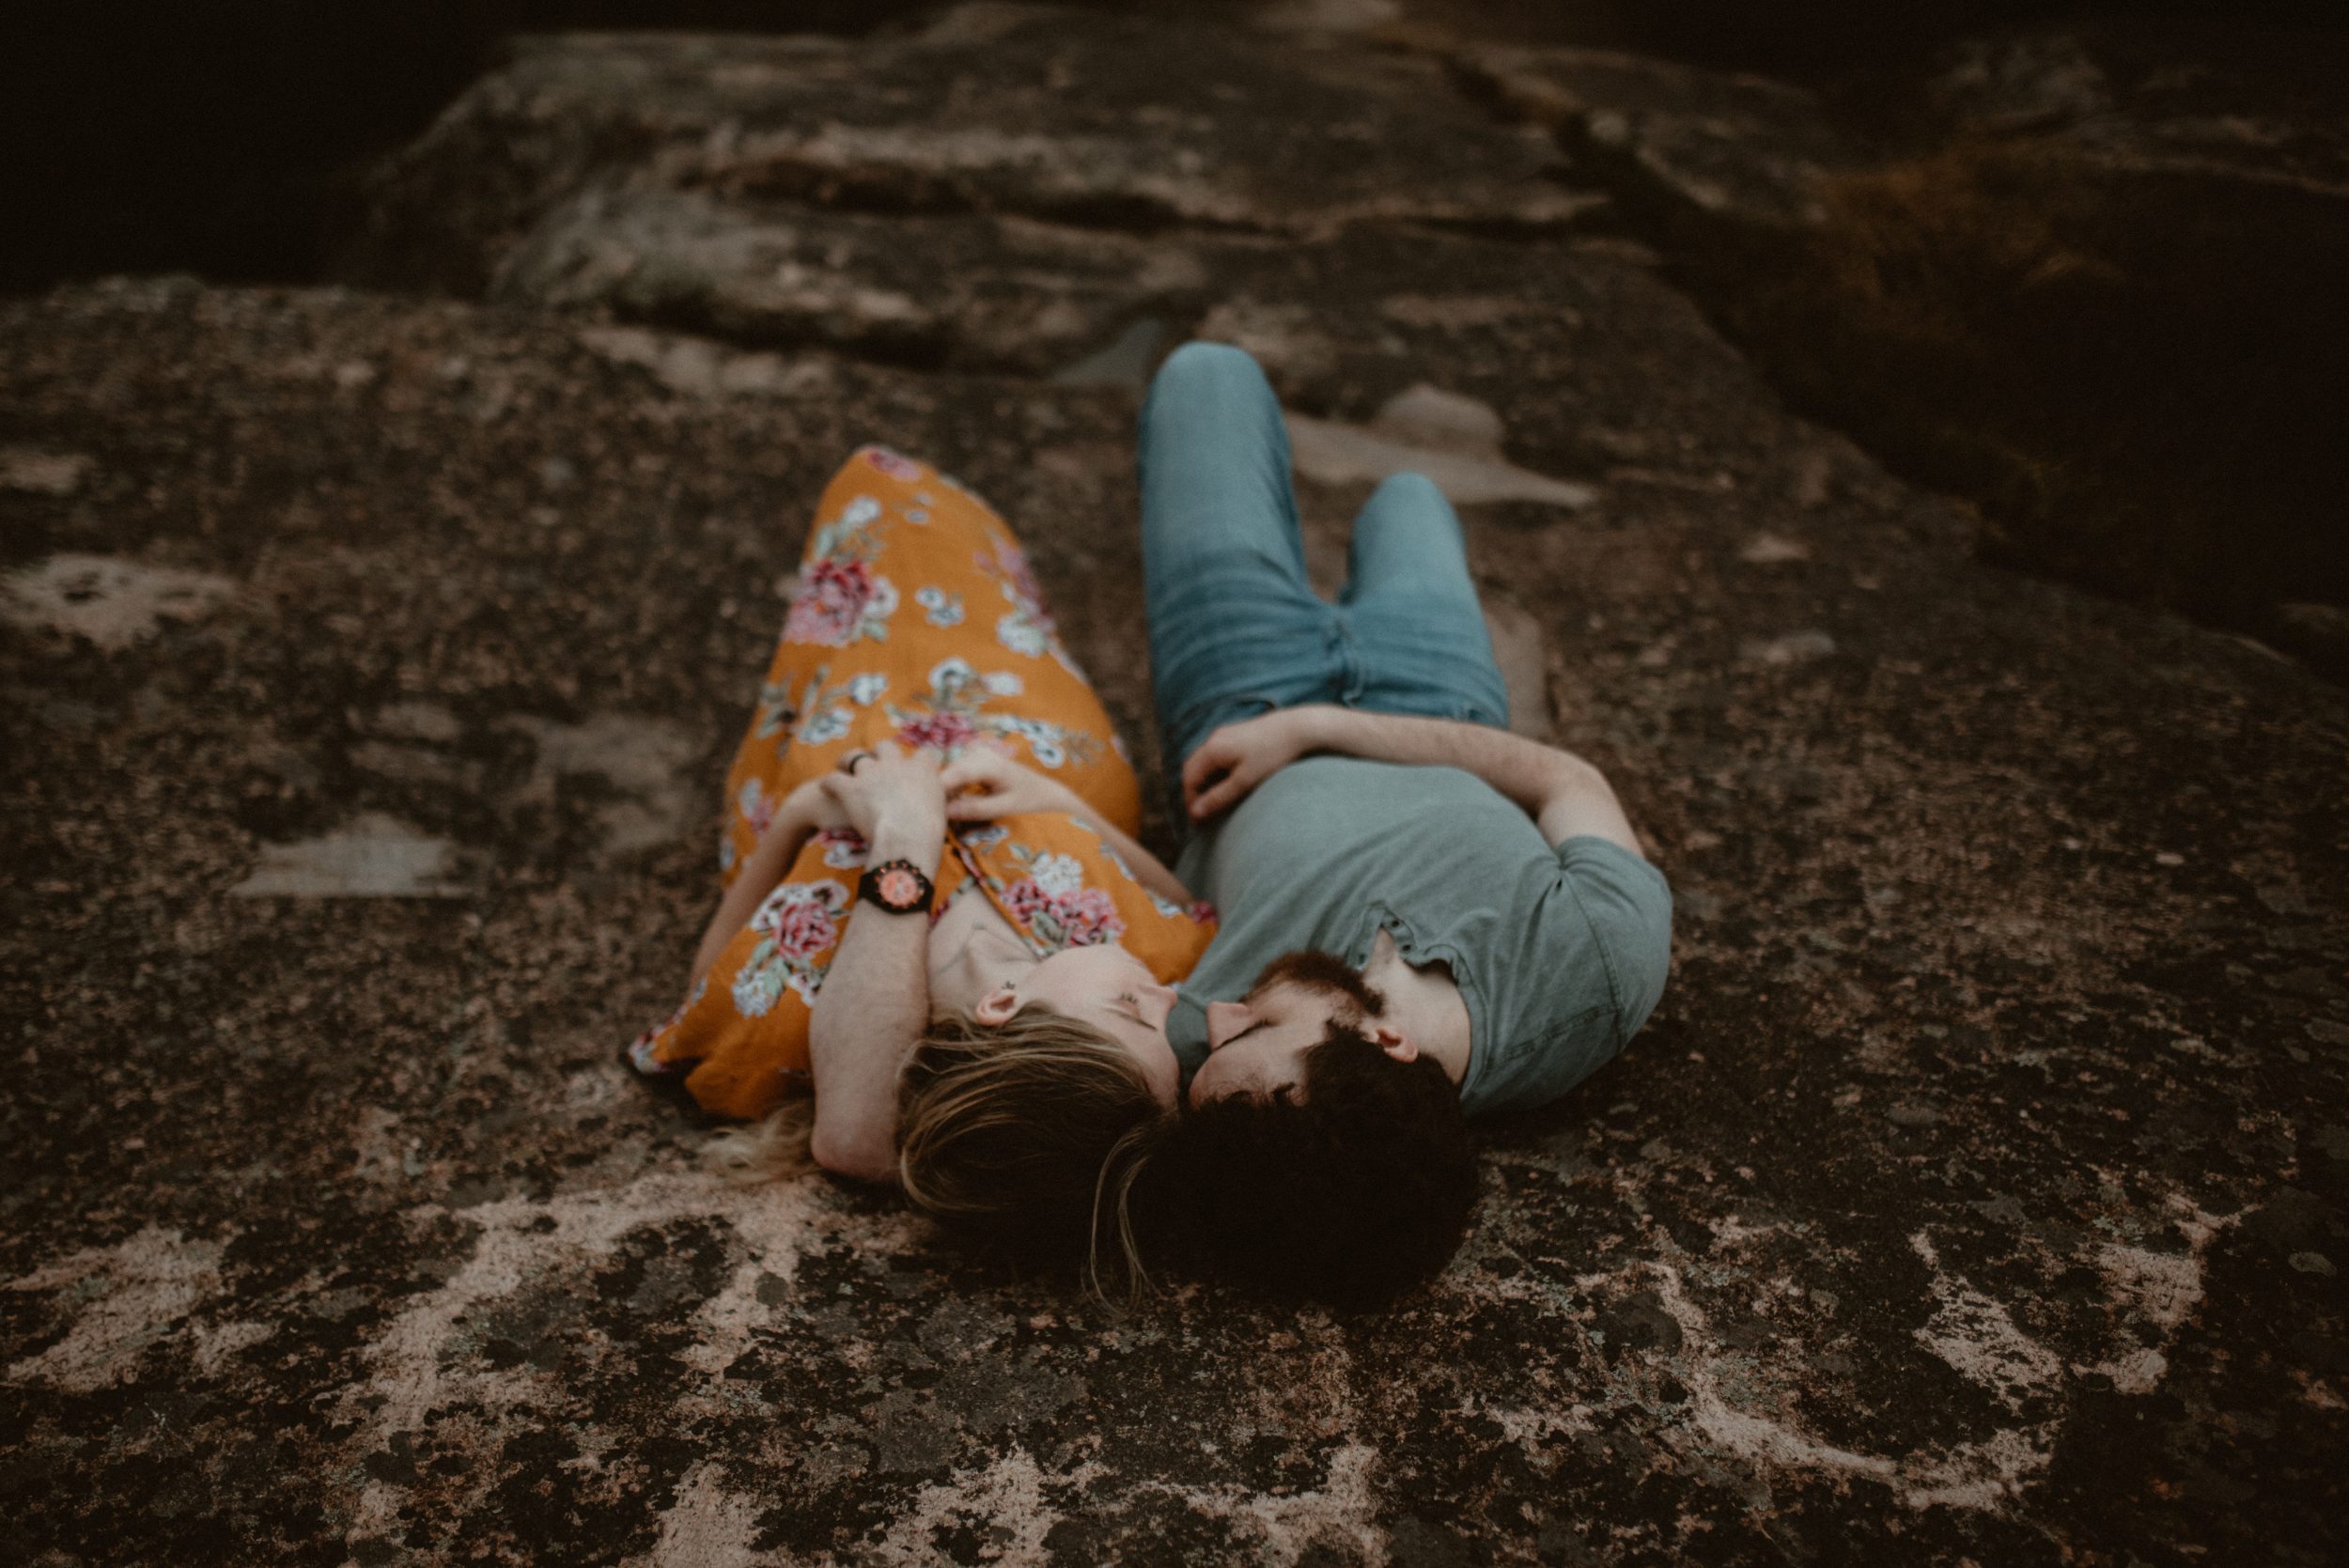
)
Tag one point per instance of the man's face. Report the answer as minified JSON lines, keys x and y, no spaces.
{"x":1257,"y":1046}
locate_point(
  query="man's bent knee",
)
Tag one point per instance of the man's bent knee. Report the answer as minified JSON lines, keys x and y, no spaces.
{"x":1203,"y":366}
{"x":1412,"y":485}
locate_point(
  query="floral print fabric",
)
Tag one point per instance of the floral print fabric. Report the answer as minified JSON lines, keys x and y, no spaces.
{"x":917,"y":620}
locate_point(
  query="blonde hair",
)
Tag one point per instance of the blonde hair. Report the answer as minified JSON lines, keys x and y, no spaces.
{"x":1032,"y":1131}
{"x":775,"y":1148}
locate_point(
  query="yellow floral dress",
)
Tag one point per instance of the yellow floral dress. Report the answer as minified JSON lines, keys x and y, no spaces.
{"x":916,"y":620}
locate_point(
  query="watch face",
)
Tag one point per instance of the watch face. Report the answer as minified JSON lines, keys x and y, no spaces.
{"x":899,"y":887}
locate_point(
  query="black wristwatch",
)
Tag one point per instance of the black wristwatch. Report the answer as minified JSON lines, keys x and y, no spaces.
{"x":897,"y":886}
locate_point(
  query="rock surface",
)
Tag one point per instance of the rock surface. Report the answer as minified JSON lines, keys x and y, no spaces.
{"x":2081,"y":275}
{"x":969,"y":292}
{"x":1740,"y":150}
{"x":1978,"y":1193}
{"x":1083,"y":118}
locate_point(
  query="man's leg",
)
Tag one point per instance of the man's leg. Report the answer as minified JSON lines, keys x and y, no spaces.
{"x":1234,"y":628}
{"x":1418,"y":634}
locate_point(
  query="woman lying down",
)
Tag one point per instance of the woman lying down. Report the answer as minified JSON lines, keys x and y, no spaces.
{"x":941,"y":957}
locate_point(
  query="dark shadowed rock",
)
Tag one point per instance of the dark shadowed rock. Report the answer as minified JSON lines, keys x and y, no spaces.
{"x":2050,"y":244}
{"x":1080,"y":118}
{"x":2317,"y":632}
{"x":2078,"y":276}
{"x":1742,"y":149}
{"x":2146,"y":100}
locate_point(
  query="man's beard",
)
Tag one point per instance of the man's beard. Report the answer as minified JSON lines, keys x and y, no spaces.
{"x":1324,"y":973}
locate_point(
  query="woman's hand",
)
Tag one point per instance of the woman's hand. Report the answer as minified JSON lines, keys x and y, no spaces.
{"x":809,"y":810}
{"x":998,"y":786}
{"x":1002,"y":787}
{"x":889,"y":789}
{"x":1236,"y":758}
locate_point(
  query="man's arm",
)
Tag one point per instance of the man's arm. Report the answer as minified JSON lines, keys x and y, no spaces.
{"x":1566,"y":796}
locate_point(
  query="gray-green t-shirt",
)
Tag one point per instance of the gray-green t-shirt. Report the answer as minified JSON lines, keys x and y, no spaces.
{"x":1559,"y":953}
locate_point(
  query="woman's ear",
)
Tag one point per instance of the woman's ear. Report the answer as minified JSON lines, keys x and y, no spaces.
{"x":1394,"y":1043}
{"x":996,"y":1008}
{"x":1153,"y":1002}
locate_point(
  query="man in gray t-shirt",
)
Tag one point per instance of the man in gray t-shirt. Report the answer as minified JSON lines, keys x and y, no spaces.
{"x":1554,"y":934}
{"x":1424,"y":915}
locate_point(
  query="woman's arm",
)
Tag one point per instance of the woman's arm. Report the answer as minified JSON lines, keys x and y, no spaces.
{"x":1147,"y":868}
{"x":802,"y":812}
{"x":874,"y":1002}
{"x":1002,"y":787}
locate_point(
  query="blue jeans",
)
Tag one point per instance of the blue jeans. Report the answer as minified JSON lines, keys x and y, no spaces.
{"x":1235,"y":630}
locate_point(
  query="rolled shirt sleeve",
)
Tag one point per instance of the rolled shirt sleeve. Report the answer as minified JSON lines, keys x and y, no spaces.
{"x":1572,"y":968}
{"x":1629,"y":907}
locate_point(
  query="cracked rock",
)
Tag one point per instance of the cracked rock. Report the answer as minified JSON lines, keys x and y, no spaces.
{"x":1175,"y":125}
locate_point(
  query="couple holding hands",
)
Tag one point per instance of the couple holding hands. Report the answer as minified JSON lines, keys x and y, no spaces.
{"x":942,"y":957}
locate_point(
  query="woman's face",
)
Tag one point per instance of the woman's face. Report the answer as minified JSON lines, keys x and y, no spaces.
{"x":1114,"y":991}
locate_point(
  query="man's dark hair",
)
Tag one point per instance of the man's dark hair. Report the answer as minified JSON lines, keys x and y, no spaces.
{"x":1348,"y":1193}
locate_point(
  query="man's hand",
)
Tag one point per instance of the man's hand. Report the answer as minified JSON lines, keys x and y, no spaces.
{"x":1236,"y":758}
{"x":999,"y":788}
